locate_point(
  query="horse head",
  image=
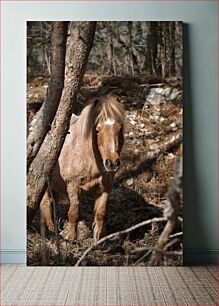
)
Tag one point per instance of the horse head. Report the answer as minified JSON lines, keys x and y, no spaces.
{"x":109,"y":131}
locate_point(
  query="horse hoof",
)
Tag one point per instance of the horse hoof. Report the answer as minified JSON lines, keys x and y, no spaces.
{"x":97,"y":237}
{"x":99,"y":234}
{"x":69,"y":237}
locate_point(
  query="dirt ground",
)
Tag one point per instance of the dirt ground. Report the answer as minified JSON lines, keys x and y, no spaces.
{"x":153,"y":141}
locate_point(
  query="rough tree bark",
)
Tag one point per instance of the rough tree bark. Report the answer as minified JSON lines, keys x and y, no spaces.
{"x":110,"y":50}
{"x":172,"y":43}
{"x":80,"y":44}
{"x":130,"y":29}
{"x":45,"y":116}
{"x":152,"y":49}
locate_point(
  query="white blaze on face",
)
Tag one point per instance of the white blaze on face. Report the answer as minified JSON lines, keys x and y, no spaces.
{"x":111,"y":122}
{"x":113,"y":147}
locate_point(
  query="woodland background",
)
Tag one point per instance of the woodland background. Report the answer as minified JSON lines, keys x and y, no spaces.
{"x":142,"y":63}
{"x":120,"y":48}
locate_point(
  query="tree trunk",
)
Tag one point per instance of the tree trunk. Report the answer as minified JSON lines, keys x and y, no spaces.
{"x":152,"y":49}
{"x":47,"y":112}
{"x":172,"y":50}
{"x":80,"y":44}
{"x":110,"y":50}
{"x":130,"y":28}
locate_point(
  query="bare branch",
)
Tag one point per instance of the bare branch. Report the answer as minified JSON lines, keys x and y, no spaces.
{"x":171,"y":243}
{"x":117,"y":234}
{"x":176,"y":235}
{"x":139,"y":250}
{"x":143,"y":257}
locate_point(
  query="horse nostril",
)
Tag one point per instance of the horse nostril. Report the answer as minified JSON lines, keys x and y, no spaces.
{"x":117,"y":162}
{"x":108,"y":163}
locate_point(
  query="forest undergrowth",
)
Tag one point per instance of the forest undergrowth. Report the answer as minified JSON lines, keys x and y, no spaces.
{"x":153,"y":141}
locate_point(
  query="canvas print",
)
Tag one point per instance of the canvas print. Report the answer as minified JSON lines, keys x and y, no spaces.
{"x":104,"y":143}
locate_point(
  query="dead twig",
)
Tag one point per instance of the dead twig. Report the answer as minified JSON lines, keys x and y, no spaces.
{"x":168,"y":245}
{"x":117,"y":234}
{"x":176,"y":234}
{"x":163,"y":252}
{"x":55,"y":220}
{"x":142,"y":257}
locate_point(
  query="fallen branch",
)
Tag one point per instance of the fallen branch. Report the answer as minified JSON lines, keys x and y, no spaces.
{"x":119,"y":233}
{"x":163,"y":252}
{"x":176,"y":234}
{"x":143,"y":257}
{"x":178,"y":253}
{"x":169,"y":244}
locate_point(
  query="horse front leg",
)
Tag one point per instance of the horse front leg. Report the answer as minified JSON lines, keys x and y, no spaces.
{"x":73,"y":212}
{"x":100,"y":208}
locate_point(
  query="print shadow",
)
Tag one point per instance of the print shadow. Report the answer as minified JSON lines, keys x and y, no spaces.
{"x":193,"y":235}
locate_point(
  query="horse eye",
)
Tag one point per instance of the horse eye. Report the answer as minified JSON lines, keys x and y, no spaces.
{"x":98,"y":128}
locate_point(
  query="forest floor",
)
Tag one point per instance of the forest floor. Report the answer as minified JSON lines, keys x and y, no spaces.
{"x":153,"y":141}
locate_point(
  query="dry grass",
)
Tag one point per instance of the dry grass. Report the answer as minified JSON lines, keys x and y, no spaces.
{"x":140,"y":186}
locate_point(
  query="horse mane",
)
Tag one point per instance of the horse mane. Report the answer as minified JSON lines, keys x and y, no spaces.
{"x":98,"y":110}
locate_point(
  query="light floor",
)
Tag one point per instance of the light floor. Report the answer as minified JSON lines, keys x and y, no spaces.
{"x":23,"y":285}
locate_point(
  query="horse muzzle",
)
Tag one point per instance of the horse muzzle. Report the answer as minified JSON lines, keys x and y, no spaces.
{"x":111,"y":166}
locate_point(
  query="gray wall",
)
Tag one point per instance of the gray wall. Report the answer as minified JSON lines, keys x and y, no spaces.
{"x":200,"y":124}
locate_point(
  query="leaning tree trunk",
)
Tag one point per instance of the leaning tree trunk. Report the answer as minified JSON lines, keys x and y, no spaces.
{"x":80,"y":44}
{"x":47,"y":112}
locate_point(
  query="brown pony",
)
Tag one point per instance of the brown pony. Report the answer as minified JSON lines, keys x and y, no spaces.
{"x":89,"y":158}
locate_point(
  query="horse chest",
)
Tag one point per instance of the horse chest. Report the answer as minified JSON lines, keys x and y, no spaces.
{"x":89,"y":184}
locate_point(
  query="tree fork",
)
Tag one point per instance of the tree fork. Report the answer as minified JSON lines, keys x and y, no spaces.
{"x":80,"y":44}
{"x":47,"y":112}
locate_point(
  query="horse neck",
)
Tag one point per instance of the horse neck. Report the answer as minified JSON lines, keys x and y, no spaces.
{"x":86,"y":145}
